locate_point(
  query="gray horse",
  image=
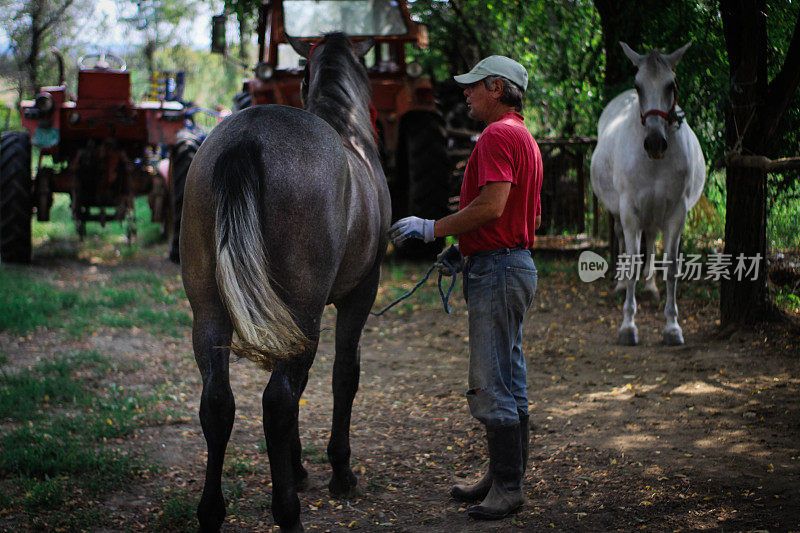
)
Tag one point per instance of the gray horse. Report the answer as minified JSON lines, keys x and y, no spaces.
{"x":285,"y":211}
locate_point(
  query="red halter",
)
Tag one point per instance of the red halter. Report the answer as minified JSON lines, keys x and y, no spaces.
{"x":671,"y":116}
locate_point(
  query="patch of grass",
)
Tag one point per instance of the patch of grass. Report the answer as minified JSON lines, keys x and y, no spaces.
{"x":23,"y":395}
{"x":177,"y":512}
{"x":45,"y":494}
{"x":707,"y":290}
{"x":5,"y":499}
{"x":551,"y":266}
{"x":173,"y":322}
{"x":62,"y":227}
{"x":237,"y":465}
{"x":45,"y":452}
{"x":26,"y":302}
{"x":137,"y":298}
{"x":783,"y":219}
{"x":143,"y":278}
{"x":315,"y":454}
{"x":115,"y":298}
{"x":399,"y":277}
{"x":55,"y":450}
{"x":788,"y":300}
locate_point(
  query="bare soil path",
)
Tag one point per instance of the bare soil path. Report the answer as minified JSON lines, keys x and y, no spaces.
{"x":702,"y":436}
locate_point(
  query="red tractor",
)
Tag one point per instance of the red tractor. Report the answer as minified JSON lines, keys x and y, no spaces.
{"x":411,"y":130}
{"x":99,"y":147}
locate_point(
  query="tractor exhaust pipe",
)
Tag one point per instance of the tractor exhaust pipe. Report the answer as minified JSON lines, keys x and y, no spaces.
{"x":60,"y":60}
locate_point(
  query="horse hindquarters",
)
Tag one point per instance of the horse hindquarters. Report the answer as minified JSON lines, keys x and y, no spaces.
{"x":265,"y":325}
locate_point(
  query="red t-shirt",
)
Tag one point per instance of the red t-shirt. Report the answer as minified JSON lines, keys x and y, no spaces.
{"x":505,"y":151}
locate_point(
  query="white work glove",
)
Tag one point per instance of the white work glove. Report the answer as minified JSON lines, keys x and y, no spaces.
{"x":411,"y":227}
{"x":453,"y":256}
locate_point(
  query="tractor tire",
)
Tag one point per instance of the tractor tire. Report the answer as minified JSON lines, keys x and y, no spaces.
{"x":424,"y":173}
{"x":241,"y":101}
{"x":180,"y":160}
{"x":16,"y":190}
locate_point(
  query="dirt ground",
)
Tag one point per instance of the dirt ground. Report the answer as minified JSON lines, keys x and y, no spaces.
{"x":705,"y":436}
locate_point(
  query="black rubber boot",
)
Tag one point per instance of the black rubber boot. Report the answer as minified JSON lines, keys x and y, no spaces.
{"x":524,"y":437}
{"x":505,"y":465}
{"x":472,"y":492}
{"x":475,"y":492}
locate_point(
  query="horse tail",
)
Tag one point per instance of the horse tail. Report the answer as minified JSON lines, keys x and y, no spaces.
{"x":266,"y":331}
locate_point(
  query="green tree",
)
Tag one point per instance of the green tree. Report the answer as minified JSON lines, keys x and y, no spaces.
{"x":557,"y":42}
{"x":159,"y":21}
{"x":33,"y":26}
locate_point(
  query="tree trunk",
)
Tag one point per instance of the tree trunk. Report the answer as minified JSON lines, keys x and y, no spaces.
{"x":621,"y":20}
{"x":745,"y":301}
{"x":32,"y":64}
{"x":241,"y":17}
{"x":756,"y":108}
{"x":744,"y":22}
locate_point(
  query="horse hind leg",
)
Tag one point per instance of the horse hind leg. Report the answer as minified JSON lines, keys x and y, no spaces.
{"x":299,"y":471}
{"x":211,"y":334}
{"x":352,"y":314}
{"x":281,"y":428}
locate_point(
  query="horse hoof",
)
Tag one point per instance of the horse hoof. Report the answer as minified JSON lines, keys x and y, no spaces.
{"x":628,"y":337}
{"x":673,"y":337}
{"x":343,"y":488}
{"x":211,"y":515}
{"x":297,"y":528}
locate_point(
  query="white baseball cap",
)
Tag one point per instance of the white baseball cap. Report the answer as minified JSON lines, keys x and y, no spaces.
{"x":496,"y":66}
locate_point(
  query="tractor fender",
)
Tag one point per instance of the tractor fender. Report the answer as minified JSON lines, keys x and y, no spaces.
{"x":414,"y":117}
{"x":422,"y":173}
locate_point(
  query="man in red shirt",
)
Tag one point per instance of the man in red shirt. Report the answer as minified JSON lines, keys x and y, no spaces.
{"x":499,"y":211}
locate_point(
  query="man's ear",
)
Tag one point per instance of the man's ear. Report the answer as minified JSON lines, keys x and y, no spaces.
{"x":497,"y":87}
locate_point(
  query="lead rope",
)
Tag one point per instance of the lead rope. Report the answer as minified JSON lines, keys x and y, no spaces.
{"x":445,"y":297}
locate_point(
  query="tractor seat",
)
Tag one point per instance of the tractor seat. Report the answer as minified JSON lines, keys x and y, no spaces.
{"x":104,"y":86}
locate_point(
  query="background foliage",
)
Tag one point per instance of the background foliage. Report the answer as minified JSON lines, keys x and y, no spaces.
{"x":561,"y":44}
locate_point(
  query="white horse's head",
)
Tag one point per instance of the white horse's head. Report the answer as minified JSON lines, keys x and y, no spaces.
{"x":658,"y":94}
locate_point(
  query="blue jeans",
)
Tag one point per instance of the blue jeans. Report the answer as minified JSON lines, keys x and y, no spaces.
{"x":499,"y":286}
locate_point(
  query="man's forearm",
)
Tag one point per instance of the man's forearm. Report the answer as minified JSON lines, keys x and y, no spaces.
{"x":488,"y":206}
{"x":470,"y":218}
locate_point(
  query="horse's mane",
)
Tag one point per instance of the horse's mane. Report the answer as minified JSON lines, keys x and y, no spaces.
{"x":657,"y":59}
{"x":341,"y":93}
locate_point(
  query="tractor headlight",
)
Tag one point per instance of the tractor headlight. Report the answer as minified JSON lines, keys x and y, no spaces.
{"x":44,"y":103}
{"x":414,"y":69}
{"x":264,"y":71}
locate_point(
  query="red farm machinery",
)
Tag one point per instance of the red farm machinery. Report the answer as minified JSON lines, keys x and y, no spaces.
{"x":412,"y":135}
{"x":99,"y":147}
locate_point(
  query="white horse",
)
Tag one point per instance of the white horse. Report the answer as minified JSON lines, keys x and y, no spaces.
{"x":648,"y":170}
